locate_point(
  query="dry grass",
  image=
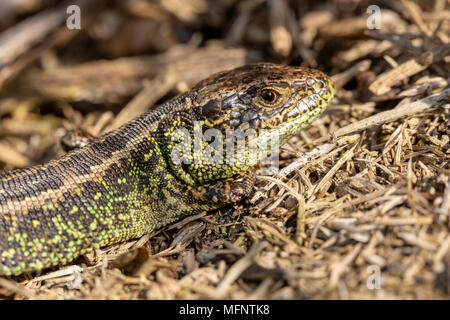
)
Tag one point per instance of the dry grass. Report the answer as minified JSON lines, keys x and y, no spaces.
{"x":366,"y":186}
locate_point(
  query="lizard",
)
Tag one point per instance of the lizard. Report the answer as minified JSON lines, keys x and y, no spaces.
{"x":142,"y":176}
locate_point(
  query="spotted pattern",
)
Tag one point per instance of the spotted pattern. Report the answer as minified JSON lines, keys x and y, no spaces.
{"x":126,"y":183}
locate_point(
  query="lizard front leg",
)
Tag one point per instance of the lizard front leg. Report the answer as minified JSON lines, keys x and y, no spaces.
{"x":227,"y":191}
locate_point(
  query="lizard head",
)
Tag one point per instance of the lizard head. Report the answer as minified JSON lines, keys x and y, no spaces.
{"x":261,"y":102}
{"x":263,"y":96}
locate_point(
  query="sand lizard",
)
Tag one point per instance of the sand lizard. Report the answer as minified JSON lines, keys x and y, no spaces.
{"x":126,"y":183}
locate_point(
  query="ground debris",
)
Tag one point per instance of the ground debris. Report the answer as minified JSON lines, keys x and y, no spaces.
{"x":364,"y":189}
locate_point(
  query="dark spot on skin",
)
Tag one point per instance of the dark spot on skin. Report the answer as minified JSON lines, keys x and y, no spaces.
{"x":252,"y":90}
{"x":310,"y":103}
{"x":293,"y":113}
{"x":211,"y":109}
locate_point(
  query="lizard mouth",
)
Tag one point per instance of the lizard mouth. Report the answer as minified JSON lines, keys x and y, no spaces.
{"x":307,"y":105}
{"x":309,"y":98}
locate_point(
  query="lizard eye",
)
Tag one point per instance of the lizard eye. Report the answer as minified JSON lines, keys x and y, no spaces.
{"x":269,"y":95}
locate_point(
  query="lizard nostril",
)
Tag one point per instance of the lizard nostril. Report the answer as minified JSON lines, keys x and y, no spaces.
{"x":310,"y":82}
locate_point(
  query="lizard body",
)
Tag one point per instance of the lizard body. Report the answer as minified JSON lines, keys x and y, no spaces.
{"x":128,"y":183}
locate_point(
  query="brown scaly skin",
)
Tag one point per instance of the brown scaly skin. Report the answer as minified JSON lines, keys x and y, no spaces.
{"x":125,"y":184}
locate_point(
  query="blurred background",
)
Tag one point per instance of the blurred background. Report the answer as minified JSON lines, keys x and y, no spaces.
{"x":385,"y":207}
